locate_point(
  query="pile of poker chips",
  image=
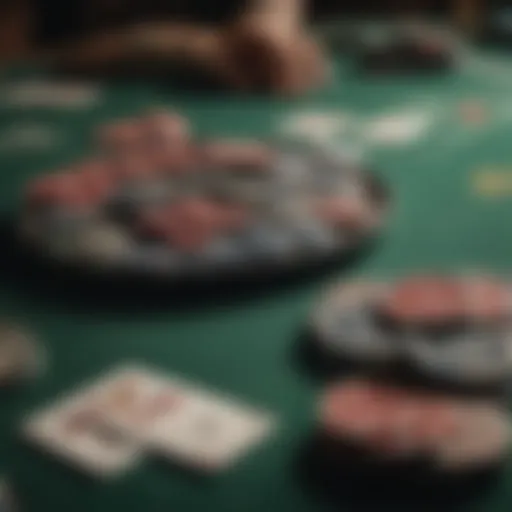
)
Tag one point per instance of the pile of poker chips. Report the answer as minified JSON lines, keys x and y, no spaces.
{"x":436,"y":357}
{"x":151,"y":197}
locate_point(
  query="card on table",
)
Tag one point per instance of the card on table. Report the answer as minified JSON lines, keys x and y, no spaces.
{"x":400,"y":128}
{"x":74,"y":430}
{"x":50,"y":94}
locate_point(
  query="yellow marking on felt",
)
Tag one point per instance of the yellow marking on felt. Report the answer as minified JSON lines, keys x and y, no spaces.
{"x":493,"y":182}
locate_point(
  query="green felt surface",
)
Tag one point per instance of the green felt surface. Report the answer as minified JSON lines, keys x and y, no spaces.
{"x":246,"y":346}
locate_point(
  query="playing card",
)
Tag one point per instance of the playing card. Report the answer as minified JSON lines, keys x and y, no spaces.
{"x":50,"y":94}
{"x":210,"y":432}
{"x":314,"y":126}
{"x":22,"y":137}
{"x":21,"y":357}
{"x":134,"y":398}
{"x":179,"y":419}
{"x":397,"y":129}
{"x":74,"y":430}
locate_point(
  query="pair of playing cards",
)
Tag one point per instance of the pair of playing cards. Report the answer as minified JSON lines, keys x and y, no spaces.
{"x":104,"y":428}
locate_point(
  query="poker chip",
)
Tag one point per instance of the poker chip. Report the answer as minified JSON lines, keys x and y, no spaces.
{"x":120,"y":137}
{"x":238,"y":154}
{"x":470,"y":356}
{"x":344,"y":325}
{"x":102,"y":244}
{"x":62,"y":189}
{"x":160,"y":192}
{"x":21,"y":358}
{"x":473,"y":112}
{"x":163,"y":129}
{"x":486,"y":300}
{"x":424,"y":300}
{"x":345,"y":212}
{"x":482,"y":440}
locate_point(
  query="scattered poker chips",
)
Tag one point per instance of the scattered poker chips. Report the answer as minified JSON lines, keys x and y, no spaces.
{"x":453,"y":328}
{"x":393,"y":424}
{"x":199,"y":207}
{"x":21,"y":357}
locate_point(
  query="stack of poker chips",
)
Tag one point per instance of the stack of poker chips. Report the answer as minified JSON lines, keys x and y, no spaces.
{"x":435,"y":356}
{"x":386,"y":423}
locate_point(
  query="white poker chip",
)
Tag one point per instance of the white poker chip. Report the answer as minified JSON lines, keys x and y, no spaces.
{"x":103,"y":244}
{"x":344,"y":326}
{"x":474,"y":356}
{"x":483,"y":441}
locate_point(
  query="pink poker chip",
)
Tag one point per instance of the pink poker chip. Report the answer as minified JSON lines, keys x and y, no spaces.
{"x":386,"y":420}
{"x":121,"y":136}
{"x":485,"y":299}
{"x":97,"y":179}
{"x":343,"y":212}
{"x":424,"y":300}
{"x":166,"y":128}
{"x":238,"y":154}
{"x":64,"y":189}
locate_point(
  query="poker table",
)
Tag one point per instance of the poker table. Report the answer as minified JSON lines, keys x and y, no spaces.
{"x":451,"y":187}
